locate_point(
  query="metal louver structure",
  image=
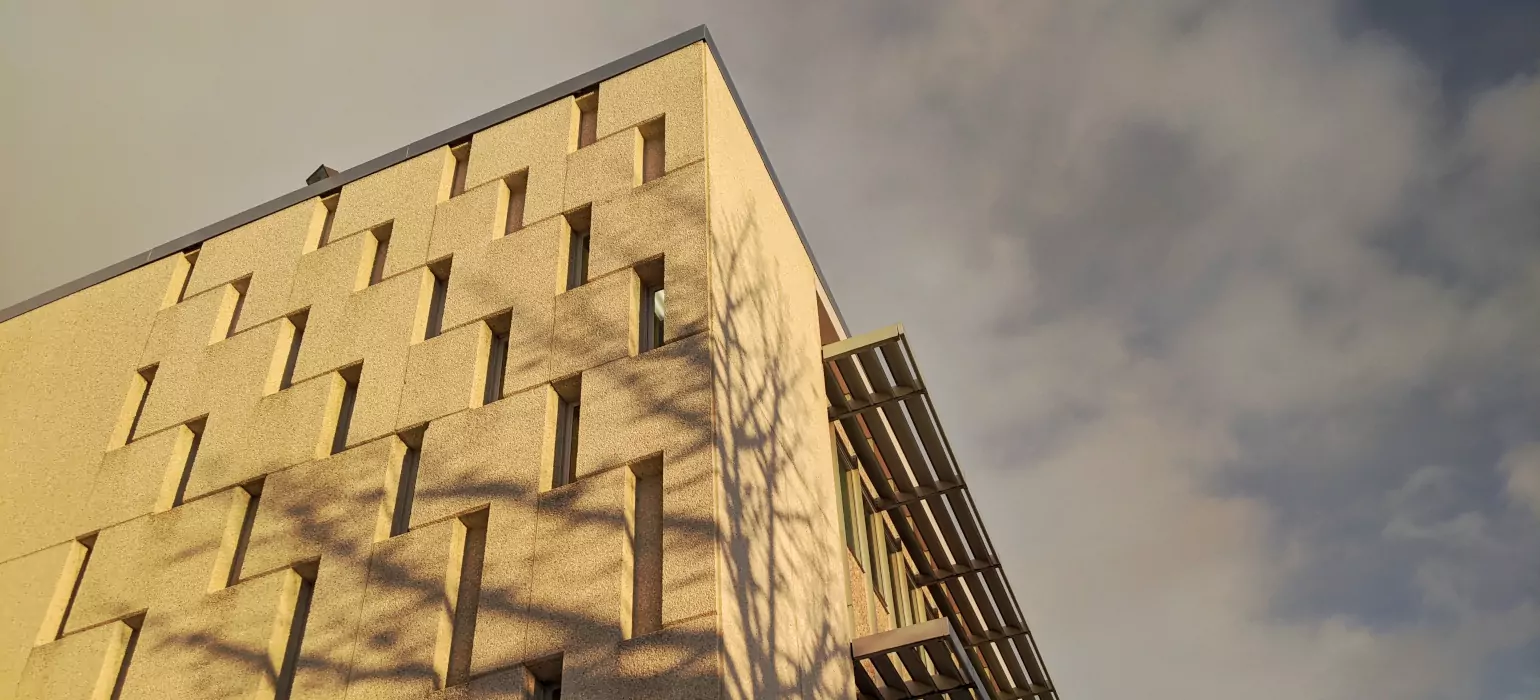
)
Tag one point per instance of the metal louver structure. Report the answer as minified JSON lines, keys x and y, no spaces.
{"x":879,"y":401}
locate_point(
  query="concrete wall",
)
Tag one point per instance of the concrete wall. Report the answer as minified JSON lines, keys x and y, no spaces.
{"x":784,"y":607}
{"x":121,"y":552}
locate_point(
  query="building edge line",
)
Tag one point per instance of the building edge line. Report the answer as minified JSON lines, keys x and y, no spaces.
{"x":442,"y":138}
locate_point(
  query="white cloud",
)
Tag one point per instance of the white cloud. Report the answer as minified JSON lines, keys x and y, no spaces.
{"x":1522,"y":467}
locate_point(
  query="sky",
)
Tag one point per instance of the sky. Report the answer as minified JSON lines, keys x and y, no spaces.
{"x":1231,"y":308}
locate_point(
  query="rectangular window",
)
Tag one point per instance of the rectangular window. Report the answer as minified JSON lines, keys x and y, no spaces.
{"x":471,"y":536}
{"x":64,"y":600}
{"x":240,"y":287}
{"x":568,"y":422}
{"x":142,"y":384}
{"x":497,"y":359}
{"x":330,"y":205}
{"x":381,"y":249}
{"x":180,"y":494}
{"x":545,"y":679}
{"x":462,"y":156}
{"x":350,"y":377}
{"x":577,"y":248}
{"x":903,"y":589}
{"x":297,"y":337}
{"x":850,"y":505}
{"x":652,"y":150}
{"x":243,"y":536}
{"x":878,"y":576}
{"x":652,"y":318}
{"x":191,"y":257}
{"x":134,"y":624}
{"x":303,"y":580}
{"x":518,"y":186}
{"x":406,"y":485}
{"x":440,"y":295}
{"x":588,"y":118}
{"x":545,"y":690}
{"x":644,"y":523}
{"x":650,"y":311}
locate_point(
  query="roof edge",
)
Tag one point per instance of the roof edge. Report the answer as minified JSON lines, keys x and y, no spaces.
{"x":442,"y":138}
{"x":823,"y":283}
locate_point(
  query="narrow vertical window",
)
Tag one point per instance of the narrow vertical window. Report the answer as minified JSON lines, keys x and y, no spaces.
{"x":878,"y":577}
{"x":903,"y":590}
{"x":545,"y":679}
{"x":471,"y":538}
{"x":350,"y":377}
{"x":652,"y":150}
{"x":381,"y":249}
{"x":180,"y":494}
{"x":243,"y":535}
{"x":518,"y":186}
{"x":240,"y":287}
{"x":568,"y":419}
{"x":142,"y":384}
{"x":462,"y":156}
{"x":303,"y":582}
{"x":497,"y":359}
{"x":191,"y":257}
{"x":651,"y":314}
{"x":330,"y":205}
{"x":58,"y":615}
{"x":588,"y":118}
{"x":577,"y":248}
{"x":850,"y":508}
{"x":644,"y":523}
{"x":440,"y":271}
{"x":297,"y":323}
{"x":406,"y":485}
{"x":134,"y":624}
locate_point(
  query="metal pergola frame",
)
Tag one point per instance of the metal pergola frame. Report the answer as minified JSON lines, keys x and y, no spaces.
{"x":919,"y":661}
{"x":878,"y":400}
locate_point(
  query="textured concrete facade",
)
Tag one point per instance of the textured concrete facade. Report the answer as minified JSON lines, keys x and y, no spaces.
{"x":275,"y":468}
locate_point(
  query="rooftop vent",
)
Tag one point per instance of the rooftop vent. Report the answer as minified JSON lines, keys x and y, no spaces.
{"x":320,"y":174}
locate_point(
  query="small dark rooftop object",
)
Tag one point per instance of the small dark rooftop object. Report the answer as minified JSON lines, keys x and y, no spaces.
{"x":320,"y":174}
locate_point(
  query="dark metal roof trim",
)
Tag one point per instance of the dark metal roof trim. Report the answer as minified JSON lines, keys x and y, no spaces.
{"x":442,"y":138}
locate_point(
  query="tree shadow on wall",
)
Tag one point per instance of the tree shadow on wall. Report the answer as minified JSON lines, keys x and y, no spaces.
{"x":780,"y":608}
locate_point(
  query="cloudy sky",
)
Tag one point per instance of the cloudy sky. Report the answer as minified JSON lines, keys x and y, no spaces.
{"x":1232,"y":308}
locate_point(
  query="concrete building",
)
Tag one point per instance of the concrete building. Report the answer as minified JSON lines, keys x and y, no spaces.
{"x":553,"y":403}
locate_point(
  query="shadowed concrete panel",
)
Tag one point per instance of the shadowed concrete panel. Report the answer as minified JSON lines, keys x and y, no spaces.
{"x":218,"y":646}
{"x":78,"y":667}
{"x":268,"y":251}
{"x":604,"y":169}
{"x":329,"y":511}
{"x":538,"y":142}
{"x":417,"y":184}
{"x":671,"y":87}
{"x":404,"y":614}
{"x":445,"y":374}
{"x":666,"y":217}
{"x":593,"y":324}
{"x":779,"y":534}
{"x":138,"y":478}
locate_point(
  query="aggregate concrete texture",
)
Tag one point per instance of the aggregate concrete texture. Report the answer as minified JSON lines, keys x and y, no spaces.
{"x":185,"y":514}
